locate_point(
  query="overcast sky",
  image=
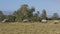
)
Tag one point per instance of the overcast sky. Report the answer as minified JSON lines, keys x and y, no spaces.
{"x":51,"y":6}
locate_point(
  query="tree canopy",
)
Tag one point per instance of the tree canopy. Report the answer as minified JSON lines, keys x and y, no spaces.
{"x":26,"y":12}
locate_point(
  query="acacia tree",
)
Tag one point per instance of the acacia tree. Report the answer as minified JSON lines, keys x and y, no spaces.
{"x":10,"y":18}
{"x":18,"y":15}
{"x":30,"y":13}
{"x":24,"y":12}
{"x":1,"y":16}
{"x":43,"y":15}
{"x":55,"y":16}
{"x":36,"y":16}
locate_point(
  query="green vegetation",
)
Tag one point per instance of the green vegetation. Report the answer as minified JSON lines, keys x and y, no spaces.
{"x":55,"y":16}
{"x":44,"y":16}
{"x":26,"y":12}
{"x":1,"y":16}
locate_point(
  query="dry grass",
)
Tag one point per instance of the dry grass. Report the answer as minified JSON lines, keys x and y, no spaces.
{"x":29,"y":28}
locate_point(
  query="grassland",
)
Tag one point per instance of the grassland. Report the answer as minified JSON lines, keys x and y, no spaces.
{"x":29,"y":28}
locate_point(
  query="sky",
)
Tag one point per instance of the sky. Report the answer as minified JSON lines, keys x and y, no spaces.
{"x":51,"y":6}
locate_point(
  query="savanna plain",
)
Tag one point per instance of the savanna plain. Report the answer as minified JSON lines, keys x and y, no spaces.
{"x":30,"y":28}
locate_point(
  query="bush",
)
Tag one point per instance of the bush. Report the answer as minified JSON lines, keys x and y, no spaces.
{"x":10,"y":18}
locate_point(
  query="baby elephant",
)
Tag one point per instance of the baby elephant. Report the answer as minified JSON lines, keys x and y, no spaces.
{"x":44,"y":21}
{"x":56,"y":22}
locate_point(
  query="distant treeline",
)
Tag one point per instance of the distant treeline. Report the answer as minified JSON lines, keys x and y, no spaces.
{"x":26,"y":12}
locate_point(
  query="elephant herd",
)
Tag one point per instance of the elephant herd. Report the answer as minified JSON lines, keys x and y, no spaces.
{"x":26,"y":20}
